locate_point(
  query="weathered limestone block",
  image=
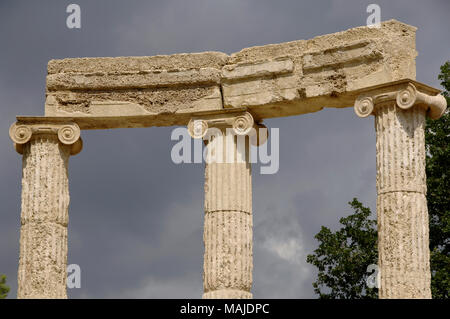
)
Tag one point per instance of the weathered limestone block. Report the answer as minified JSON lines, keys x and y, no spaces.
{"x":323,"y":72}
{"x":134,"y":86}
{"x":270,"y":81}
{"x":403,"y":235}
{"x":175,"y":62}
{"x":130,"y":80}
{"x":45,"y":201}
{"x":260,"y":83}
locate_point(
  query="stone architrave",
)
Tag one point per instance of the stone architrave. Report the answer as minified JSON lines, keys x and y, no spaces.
{"x":274,"y":80}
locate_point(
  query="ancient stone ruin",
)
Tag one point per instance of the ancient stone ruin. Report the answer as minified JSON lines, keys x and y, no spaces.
{"x":370,"y":68}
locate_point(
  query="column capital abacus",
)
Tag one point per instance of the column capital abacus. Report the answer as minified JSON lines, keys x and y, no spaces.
{"x":67,"y":132}
{"x":242,"y":123}
{"x":405,"y":94}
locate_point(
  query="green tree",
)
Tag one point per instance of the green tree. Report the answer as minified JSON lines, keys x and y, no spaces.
{"x":437,"y":139}
{"x":343,"y":256}
{"x":4,"y":289}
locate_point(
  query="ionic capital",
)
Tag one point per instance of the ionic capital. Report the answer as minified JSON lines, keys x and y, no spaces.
{"x":242,"y":123}
{"x":404,"y":94}
{"x":68,"y":133}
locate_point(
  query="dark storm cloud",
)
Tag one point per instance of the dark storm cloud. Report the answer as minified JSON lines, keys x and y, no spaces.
{"x":135,"y":217}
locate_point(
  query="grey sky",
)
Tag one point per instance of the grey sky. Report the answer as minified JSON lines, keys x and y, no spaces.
{"x":136,"y":218}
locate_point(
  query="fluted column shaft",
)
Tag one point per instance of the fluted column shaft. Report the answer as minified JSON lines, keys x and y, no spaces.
{"x":403,"y":238}
{"x":44,"y":219}
{"x":400,"y":109}
{"x":228,"y":259}
{"x":46,"y":148}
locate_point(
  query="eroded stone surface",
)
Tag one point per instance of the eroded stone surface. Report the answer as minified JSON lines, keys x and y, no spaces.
{"x":135,"y":102}
{"x":45,"y":202}
{"x":175,"y":62}
{"x":403,"y":235}
{"x":46,"y":146}
{"x":325,"y":68}
{"x":228,"y":258}
{"x":273,"y":80}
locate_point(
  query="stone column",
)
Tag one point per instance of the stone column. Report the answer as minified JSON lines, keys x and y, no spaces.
{"x":46,"y":148}
{"x":403,"y":238}
{"x":228,"y":258}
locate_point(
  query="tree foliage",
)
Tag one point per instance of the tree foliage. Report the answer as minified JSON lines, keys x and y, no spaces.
{"x":343,"y":256}
{"x":4,"y":289}
{"x":437,"y":139}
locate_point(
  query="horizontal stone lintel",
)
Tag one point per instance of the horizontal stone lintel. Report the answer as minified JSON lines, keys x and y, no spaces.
{"x":130,"y":80}
{"x":270,"y":81}
{"x":182,"y":117}
{"x":110,"y":122}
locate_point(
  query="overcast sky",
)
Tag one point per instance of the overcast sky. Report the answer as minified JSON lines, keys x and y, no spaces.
{"x":136,"y":218}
